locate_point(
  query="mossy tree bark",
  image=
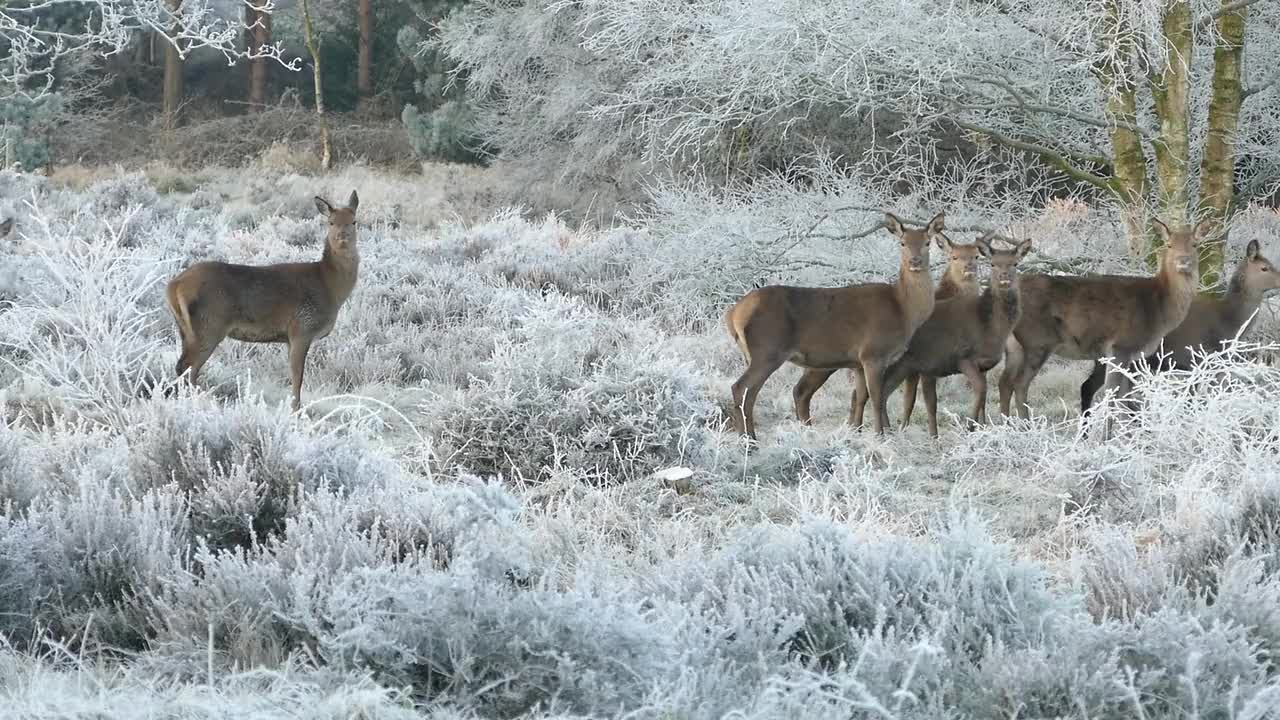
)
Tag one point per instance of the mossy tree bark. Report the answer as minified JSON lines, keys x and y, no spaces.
{"x":1217,"y":167}
{"x":1170,"y":90}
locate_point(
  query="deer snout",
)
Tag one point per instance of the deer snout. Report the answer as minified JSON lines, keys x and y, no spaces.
{"x":1185,"y":264}
{"x":916,"y":264}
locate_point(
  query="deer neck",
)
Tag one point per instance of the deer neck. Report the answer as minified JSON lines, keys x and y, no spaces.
{"x":1176,"y":292}
{"x":914,"y":291}
{"x":950,"y":286}
{"x":339,"y":269}
{"x":1240,"y":301}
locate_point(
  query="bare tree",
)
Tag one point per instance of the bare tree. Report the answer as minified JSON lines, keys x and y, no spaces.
{"x":1141,"y":100}
{"x":173,"y":62}
{"x":258,"y":36}
{"x":313,"y":48}
{"x":33,"y":47}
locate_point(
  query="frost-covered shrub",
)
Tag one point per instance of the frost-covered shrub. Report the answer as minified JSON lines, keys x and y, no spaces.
{"x":270,"y":600}
{"x":566,"y":387}
{"x":960,"y":594}
{"x":240,"y":468}
{"x":81,"y":563}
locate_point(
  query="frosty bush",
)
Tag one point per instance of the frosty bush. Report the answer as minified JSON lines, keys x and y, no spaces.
{"x":569,"y":388}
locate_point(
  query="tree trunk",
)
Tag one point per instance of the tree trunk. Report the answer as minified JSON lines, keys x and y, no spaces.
{"x":364,"y":70}
{"x":1170,"y":89}
{"x":1129,"y":182}
{"x":313,"y":47}
{"x":172,"y":71}
{"x":1217,"y":169}
{"x":259,"y":68}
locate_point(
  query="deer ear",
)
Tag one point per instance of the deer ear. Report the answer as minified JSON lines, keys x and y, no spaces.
{"x":943,"y":242}
{"x":1252,"y":251}
{"x":1161,"y":229}
{"x":353,"y":202}
{"x":5,"y":227}
{"x":937,"y":224}
{"x":1023,"y":248}
{"x":1203,"y":229}
{"x":984,"y":246}
{"x":893,"y":224}
{"x":323,"y":206}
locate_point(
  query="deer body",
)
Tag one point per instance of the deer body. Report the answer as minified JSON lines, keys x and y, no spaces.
{"x":966,"y":335}
{"x":292,"y":303}
{"x":1210,"y":321}
{"x":826,"y":329}
{"x":1085,"y":318}
{"x":959,"y":279}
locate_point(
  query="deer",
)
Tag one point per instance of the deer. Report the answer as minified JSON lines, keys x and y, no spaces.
{"x":966,"y":334}
{"x":822,"y":330}
{"x":1095,"y":316}
{"x":1211,"y":321}
{"x":291,"y":303}
{"x":960,"y":278}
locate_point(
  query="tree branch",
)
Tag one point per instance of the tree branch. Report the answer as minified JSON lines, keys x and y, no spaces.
{"x":1204,"y":21}
{"x":1058,"y":159}
{"x":1020,"y":101}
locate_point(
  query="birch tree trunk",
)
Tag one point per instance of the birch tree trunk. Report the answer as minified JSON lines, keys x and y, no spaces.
{"x":313,"y":47}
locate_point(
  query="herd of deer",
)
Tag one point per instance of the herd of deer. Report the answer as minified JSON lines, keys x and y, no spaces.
{"x":884,"y":334}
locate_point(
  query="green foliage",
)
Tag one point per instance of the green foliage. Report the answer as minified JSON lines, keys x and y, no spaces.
{"x":22,"y":124}
{"x":441,"y":124}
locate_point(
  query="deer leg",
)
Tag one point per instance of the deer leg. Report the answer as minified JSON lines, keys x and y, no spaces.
{"x":978,"y":384}
{"x":1090,"y":386}
{"x":859,"y":404}
{"x":1013,"y":361}
{"x":874,"y":374}
{"x":1032,"y":361}
{"x":748,"y":387}
{"x":802,"y":393}
{"x":909,"y":397}
{"x":299,"y":345}
{"x":196,"y":354}
{"x":930,"y":387}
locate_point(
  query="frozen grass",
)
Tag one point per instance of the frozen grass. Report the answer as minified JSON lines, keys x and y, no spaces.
{"x":479,"y":517}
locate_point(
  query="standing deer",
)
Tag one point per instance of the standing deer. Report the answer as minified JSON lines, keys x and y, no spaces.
{"x":825,"y":329}
{"x":293,"y":303}
{"x":964,"y":335}
{"x":960,"y":278}
{"x":1094,"y":316}
{"x":1211,"y":321}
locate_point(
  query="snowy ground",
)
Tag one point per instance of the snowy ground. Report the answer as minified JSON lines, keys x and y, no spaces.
{"x":473,"y":518}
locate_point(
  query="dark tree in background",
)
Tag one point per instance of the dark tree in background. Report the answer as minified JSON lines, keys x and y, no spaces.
{"x":364,"y":73}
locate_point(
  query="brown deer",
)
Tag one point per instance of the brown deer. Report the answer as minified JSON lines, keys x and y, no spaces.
{"x":825,"y":329}
{"x":293,"y":303}
{"x":1094,"y":316}
{"x":964,"y":335}
{"x":1212,"y":320}
{"x":960,"y":278}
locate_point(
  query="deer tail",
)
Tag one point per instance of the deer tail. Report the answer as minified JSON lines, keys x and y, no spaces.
{"x":181,"y":312}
